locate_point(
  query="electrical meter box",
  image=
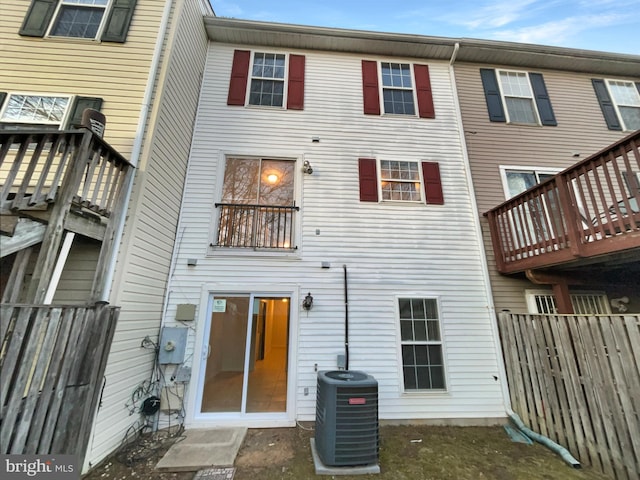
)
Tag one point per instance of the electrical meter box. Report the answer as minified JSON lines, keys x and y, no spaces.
{"x":173,"y":343}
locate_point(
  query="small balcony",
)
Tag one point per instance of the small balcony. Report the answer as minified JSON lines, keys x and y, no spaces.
{"x":258,"y":227}
{"x":585,"y":214}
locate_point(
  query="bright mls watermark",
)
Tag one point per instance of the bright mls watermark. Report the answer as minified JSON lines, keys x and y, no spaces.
{"x":51,"y":467}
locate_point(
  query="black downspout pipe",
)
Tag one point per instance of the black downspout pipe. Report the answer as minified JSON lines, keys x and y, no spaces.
{"x":346,"y":321}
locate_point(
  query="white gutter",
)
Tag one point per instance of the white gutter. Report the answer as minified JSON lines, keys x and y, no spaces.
{"x":137,"y":143}
{"x":502,"y":372}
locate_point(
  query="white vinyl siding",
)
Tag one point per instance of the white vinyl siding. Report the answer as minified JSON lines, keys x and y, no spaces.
{"x":390,"y":249}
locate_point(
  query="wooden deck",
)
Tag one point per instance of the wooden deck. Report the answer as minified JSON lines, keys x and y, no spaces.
{"x":588,"y":211}
{"x":53,"y":183}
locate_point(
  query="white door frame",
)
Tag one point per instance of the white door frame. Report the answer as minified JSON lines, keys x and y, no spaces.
{"x":194,"y":418}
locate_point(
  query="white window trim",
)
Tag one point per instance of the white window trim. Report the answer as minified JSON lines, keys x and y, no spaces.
{"x":399,"y":344}
{"x":615,"y":104}
{"x":285,"y":80}
{"x":420,"y":190}
{"x":61,"y":3}
{"x":504,"y":101}
{"x":65,"y":117}
{"x":413,"y":90}
{"x":293,"y":254}
{"x":530,"y":295}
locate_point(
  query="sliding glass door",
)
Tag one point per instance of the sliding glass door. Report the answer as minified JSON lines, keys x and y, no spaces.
{"x":246,"y":347}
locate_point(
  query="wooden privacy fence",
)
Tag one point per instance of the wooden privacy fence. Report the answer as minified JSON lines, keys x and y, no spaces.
{"x":52,"y":362}
{"x":576,"y":380}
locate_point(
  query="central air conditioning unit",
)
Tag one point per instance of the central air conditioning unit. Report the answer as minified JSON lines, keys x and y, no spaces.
{"x":346,"y":431}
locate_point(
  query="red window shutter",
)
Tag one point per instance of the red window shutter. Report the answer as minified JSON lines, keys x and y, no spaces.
{"x":295,"y":92}
{"x":239,"y":75}
{"x":432,"y":183}
{"x":368,"y":179}
{"x":423,"y":91}
{"x":370,"y":90}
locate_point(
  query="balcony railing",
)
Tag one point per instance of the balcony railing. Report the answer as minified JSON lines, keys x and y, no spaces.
{"x":34,"y":165}
{"x":588,"y":210}
{"x":256,"y":226}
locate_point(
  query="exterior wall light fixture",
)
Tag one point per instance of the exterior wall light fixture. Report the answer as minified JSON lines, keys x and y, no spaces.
{"x":307,"y":303}
{"x":306,"y":167}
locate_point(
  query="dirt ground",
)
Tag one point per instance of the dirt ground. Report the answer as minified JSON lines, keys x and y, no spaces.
{"x":406,"y":453}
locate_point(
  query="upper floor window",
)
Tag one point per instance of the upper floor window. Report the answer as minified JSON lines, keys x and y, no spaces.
{"x":34,"y":111}
{"x":274,"y":81}
{"x":397,"y":90}
{"x":267,"y":79}
{"x":257,"y":205}
{"x":620,"y":103}
{"x":104,"y":20}
{"x":399,"y":180}
{"x":78,"y":18}
{"x":517,"y":97}
{"x":402,"y":85}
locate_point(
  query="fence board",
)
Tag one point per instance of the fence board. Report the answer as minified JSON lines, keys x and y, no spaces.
{"x":585,"y":372}
{"x":53,"y":359}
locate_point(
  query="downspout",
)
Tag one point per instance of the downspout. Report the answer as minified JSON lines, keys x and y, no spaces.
{"x":137,"y":143}
{"x":346,"y":320}
{"x":513,"y":416}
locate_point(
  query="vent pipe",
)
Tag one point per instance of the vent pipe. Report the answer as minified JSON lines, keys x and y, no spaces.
{"x":346,"y":320}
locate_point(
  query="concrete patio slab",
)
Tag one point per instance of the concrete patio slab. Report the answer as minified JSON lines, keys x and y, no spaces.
{"x":322,"y":469}
{"x":203,"y":448}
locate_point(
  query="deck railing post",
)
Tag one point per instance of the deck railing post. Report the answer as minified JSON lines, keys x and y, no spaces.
{"x":45,"y":264}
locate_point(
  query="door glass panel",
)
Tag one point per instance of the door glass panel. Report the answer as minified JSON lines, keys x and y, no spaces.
{"x":224,"y":370}
{"x":267,"y":375}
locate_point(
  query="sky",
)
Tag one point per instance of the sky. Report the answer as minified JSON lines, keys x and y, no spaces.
{"x":605,"y":25}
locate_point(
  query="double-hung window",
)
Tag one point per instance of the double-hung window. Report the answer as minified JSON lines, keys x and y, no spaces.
{"x":104,"y":20}
{"x":626,"y":98}
{"x":517,"y":97}
{"x":405,"y":89}
{"x":421,"y":344}
{"x":400,"y":181}
{"x":78,"y":18}
{"x":397,"y":89}
{"x":273,"y":80}
{"x":257,"y":208}
{"x":267,"y":79}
